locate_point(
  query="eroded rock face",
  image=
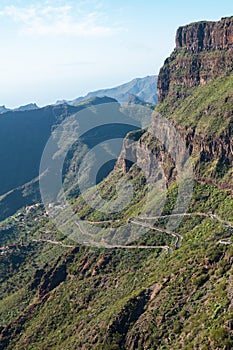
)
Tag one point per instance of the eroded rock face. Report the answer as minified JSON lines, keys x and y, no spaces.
{"x":151,"y":157}
{"x":206,"y":36}
{"x":51,"y":280}
{"x":48,"y":280}
{"x":204,"y":51}
{"x":156,"y":160}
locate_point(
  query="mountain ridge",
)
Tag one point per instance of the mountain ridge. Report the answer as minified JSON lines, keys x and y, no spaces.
{"x":35,"y":127}
{"x":176,"y":292}
{"x":143,"y":88}
{"x":27,"y":107}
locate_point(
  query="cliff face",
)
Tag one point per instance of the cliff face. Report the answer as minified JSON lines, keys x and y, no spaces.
{"x":92,"y":297}
{"x":213,"y":157}
{"x":206,"y":36}
{"x":203,"y":52}
{"x":155,"y":161}
{"x":195,"y":88}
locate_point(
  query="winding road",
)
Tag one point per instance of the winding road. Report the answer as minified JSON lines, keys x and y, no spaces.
{"x":53,"y":242}
{"x":138,"y":222}
{"x":212,"y":216}
{"x":106,"y":245}
{"x":151,"y":227}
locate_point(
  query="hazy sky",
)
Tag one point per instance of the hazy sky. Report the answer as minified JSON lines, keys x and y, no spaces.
{"x":62,"y":49}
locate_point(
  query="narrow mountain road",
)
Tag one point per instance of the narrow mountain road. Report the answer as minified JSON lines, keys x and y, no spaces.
{"x":225,"y":241}
{"x":83,"y":230}
{"x":165,"y":247}
{"x":135,"y":221}
{"x":225,"y":223}
{"x":106,"y":245}
{"x":54,"y":242}
{"x":151,"y":227}
{"x":212,"y":216}
{"x":159,"y":229}
{"x":102,"y":222}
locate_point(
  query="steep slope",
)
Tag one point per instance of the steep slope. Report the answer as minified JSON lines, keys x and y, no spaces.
{"x":195,"y":89}
{"x":23,"y":136}
{"x":176,"y":293}
{"x":120,"y":298}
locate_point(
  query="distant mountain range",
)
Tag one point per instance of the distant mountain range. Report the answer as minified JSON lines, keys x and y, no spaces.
{"x":143,"y":88}
{"x":23,"y":136}
{"x":28,"y":107}
{"x":34,"y":125}
{"x":144,"y":258}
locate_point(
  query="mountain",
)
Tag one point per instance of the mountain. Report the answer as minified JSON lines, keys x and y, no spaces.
{"x":23,"y":138}
{"x":157,"y":273}
{"x":195,"y":89}
{"x":28,"y":107}
{"x":20,"y":161}
{"x":3,"y":109}
{"x":143,"y":88}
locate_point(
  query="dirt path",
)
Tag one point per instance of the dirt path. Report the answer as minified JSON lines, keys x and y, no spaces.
{"x":54,"y":242}
{"x":138,"y":222}
{"x":106,"y":245}
{"x":212,"y":216}
{"x":151,"y":227}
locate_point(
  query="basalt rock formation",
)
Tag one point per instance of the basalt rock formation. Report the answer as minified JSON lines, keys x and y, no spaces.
{"x":201,"y":36}
{"x":125,"y":297}
{"x":195,"y":88}
{"x":203,"y":52}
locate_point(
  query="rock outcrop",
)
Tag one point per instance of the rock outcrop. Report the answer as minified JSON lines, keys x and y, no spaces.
{"x":203,"y":52}
{"x":48,"y":280}
{"x":150,"y":155}
{"x":201,"y":36}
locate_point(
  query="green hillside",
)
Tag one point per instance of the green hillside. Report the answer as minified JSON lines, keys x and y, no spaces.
{"x":23,"y":137}
{"x":168,"y":288}
{"x":95,"y":298}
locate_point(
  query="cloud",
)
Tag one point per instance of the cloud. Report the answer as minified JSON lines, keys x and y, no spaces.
{"x":60,"y":20}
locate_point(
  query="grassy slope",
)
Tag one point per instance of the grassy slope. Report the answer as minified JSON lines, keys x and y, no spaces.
{"x":208,"y":108}
{"x":208,"y":111}
{"x":191,"y":308}
{"x":120,"y":299}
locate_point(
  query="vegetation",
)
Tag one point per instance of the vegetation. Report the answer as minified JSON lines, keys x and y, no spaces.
{"x":181,"y":300}
{"x":176,"y":292}
{"x":208,"y":109}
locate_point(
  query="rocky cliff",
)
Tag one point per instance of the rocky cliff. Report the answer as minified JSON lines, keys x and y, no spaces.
{"x":195,"y":88}
{"x":173,"y":294}
{"x":201,"y":36}
{"x":203,"y":52}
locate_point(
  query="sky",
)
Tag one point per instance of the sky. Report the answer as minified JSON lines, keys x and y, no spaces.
{"x":53,"y":50}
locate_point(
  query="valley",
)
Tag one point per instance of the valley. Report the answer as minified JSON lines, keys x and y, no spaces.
{"x":155,"y":271}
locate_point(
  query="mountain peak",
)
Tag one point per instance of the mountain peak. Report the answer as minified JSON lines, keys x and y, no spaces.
{"x":144,"y":88}
{"x":28,"y":107}
{"x":206,"y":35}
{"x":203,"y":53}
